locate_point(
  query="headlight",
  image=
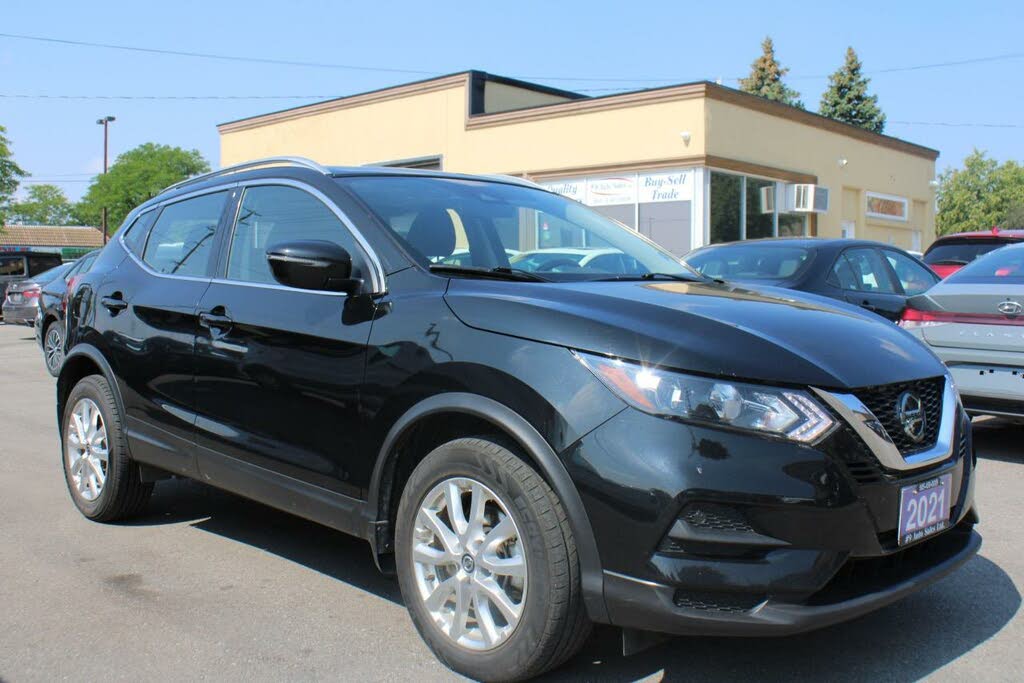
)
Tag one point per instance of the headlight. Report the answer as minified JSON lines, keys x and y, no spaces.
{"x":786,"y":413}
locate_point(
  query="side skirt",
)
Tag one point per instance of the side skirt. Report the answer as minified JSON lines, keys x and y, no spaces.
{"x":332,"y":509}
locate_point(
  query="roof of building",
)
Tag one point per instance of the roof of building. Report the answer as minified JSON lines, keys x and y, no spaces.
{"x":578,"y":103}
{"x":50,"y":236}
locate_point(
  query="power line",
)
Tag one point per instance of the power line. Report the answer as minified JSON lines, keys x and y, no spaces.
{"x":210,"y":55}
{"x":359,"y":67}
{"x":36,"y":96}
{"x":958,"y":125}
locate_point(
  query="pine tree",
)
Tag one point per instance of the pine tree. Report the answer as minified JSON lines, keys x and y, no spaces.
{"x":765,"y":78}
{"x":847,"y":97}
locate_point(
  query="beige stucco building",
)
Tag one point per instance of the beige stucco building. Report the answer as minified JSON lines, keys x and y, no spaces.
{"x":686,"y":165}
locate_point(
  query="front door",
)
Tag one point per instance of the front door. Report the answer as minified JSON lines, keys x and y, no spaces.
{"x":278,"y":370}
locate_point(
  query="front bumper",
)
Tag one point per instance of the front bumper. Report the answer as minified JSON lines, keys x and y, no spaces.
{"x":656,"y":607}
{"x":707,"y":531}
{"x":20,"y":314}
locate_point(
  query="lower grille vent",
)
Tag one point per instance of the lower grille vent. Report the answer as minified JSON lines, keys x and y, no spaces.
{"x":717,"y":602}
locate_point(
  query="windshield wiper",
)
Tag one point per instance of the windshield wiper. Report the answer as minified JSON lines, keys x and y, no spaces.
{"x":683,"y":277}
{"x":500,"y":272}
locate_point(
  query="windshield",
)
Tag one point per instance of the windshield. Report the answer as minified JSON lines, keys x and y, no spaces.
{"x":474,"y":224}
{"x":750,"y":262}
{"x":959,"y":253}
{"x":1002,"y":266}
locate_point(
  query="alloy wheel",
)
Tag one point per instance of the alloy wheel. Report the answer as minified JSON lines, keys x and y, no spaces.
{"x":469,"y":563}
{"x":87,"y":449}
{"x":54,"y":350}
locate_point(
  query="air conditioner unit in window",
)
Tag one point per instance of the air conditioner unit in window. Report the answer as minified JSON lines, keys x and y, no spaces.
{"x":768,"y":199}
{"x":806,"y":198}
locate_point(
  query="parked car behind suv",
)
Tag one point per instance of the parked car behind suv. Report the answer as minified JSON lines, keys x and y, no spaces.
{"x":974,"y":321}
{"x":531,"y":452}
{"x":950,"y":253}
{"x":20,"y":265}
{"x":52,"y":302}
{"x":22,"y":301}
{"x":872,"y":275}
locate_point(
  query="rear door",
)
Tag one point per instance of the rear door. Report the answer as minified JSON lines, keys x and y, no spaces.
{"x":867,"y":281}
{"x":146,"y":309}
{"x":279,"y":369}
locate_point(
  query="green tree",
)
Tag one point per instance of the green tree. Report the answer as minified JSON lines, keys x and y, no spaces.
{"x":10,"y":175}
{"x":45,"y":205}
{"x":765,"y":78}
{"x":981,"y":195}
{"x":847,"y":97}
{"x":136,"y":175}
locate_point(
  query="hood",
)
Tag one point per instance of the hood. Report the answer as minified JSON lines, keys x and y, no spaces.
{"x":767,"y":334}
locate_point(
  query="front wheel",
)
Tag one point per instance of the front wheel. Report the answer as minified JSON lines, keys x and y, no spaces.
{"x":487,"y":563}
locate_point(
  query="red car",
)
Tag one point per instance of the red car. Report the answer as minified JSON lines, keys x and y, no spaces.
{"x":949,"y":254}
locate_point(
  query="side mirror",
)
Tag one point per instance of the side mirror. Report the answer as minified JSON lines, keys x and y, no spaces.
{"x":313,"y":264}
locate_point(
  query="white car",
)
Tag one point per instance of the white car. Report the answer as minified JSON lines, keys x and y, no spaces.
{"x":974,"y":321}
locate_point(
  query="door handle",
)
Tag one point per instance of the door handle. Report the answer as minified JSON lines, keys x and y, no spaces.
{"x":114,"y":303}
{"x":214,"y":321}
{"x":867,"y":305}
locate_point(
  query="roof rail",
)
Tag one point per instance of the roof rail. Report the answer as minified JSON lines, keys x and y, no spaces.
{"x":255,"y":163}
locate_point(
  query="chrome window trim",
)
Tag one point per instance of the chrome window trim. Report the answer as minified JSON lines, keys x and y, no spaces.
{"x":378,"y":280}
{"x":159,"y":205}
{"x":870,"y":430}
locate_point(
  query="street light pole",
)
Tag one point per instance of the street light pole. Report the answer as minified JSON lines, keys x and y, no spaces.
{"x":105,"y":122}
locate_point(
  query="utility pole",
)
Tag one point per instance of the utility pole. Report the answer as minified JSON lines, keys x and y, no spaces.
{"x":105,"y":122}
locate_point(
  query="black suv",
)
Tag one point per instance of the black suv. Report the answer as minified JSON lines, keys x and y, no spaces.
{"x":531,"y":451}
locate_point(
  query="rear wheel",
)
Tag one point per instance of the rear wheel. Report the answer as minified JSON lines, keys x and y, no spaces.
{"x":103,"y":481}
{"x":53,"y":347}
{"x":487,"y":563}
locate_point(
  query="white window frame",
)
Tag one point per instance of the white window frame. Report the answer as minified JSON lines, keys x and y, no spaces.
{"x":888,"y":197}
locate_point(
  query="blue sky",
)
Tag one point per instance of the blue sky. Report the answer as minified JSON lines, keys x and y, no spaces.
{"x":558,"y":43}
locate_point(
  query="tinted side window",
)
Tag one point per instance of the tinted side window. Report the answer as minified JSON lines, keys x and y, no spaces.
{"x":42,"y":262}
{"x":12,"y":266}
{"x":914,"y":277}
{"x":272,"y":214}
{"x":860,"y":270}
{"x":136,"y":233}
{"x":869,"y":272}
{"x":181,"y":241}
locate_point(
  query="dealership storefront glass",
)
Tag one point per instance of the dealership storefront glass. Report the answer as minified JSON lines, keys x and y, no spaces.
{"x":657,"y":204}
{"x":747,"y":207}
{"x":663,"y":205}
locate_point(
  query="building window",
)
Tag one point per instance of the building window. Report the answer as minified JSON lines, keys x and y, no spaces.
{"x":760,"y":219}
{"x":744,"y":207}
{"x":726,"y":207}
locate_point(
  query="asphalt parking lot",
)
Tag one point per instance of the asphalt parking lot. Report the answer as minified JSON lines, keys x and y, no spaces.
{"x":208,"y":586}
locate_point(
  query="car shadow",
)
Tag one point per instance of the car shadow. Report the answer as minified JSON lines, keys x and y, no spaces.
{"x":903,"y":642}
{"x":332,"y":553}
{"x":998,"y":439}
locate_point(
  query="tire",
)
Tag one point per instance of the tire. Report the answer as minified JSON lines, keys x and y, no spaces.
{"x":550,"y":623}
{"x":53,"y":347}
{"x":103,"y":491}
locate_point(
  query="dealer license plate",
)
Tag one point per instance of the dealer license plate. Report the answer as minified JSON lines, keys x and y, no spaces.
{"x":924,"y":508}
{"x":15,"y":298}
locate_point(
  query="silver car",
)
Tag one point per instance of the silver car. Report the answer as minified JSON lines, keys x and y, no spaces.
{"x":974,"y":321}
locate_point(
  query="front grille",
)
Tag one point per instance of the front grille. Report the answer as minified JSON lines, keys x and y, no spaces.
{"x":882,"y":402}
{"x":712,"y":517}
{"x":717,"y":602}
